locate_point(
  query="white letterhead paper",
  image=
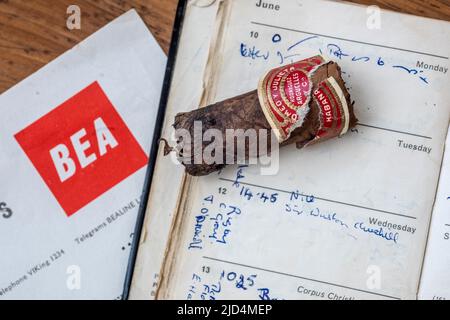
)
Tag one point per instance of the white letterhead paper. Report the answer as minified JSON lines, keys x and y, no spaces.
{"x":74,"y":142}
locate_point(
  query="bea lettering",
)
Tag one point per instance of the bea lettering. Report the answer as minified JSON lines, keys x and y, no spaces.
{"x":65,"y":163}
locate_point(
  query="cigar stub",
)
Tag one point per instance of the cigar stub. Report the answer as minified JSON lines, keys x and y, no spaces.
{"x":302,"y":103}
{"x":284,"y":94}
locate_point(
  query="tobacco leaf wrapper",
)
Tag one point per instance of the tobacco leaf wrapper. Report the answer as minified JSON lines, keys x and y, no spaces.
{"x":303,"y":103}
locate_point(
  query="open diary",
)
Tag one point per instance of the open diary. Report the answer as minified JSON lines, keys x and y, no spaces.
{"x":365,"y":216}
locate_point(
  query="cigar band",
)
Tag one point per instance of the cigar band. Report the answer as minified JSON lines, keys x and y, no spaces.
{"x":333,"y":110}
{"x":284,"y":94}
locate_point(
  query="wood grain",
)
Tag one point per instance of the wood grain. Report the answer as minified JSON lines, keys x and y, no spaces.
{"x":34,"y":32}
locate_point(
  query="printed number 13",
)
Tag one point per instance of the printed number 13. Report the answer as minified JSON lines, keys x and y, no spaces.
{"x":206,"y":269}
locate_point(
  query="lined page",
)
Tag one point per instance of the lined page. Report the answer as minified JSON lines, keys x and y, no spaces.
{"x":435,"y":282}
{"x":343,"y":219}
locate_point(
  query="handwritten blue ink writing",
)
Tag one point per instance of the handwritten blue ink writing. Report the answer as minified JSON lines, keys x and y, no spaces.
{"x":315,"y":213}
{"x":192,"y":289}
{"x":334,"y":50}
{"x":239,"y":176}
{"x":222,"y":222}
{"x":296,"y":195}
{"x":380,"y":232}
{"x":218,"y":222}
{"x":197,"y":241}
{"x":293,"y":208}
{"x":328,"y":217}
{"x":252,"y":52}
{"x":210,"y":291}
{"x":365,"y":59}
{"x":240,"y":281}
{"x":300,"y":42}
{"x":263,"y":294}
{"x":276,"y":38}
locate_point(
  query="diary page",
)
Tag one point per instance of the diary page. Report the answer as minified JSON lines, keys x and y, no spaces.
{"x":342,"y":219}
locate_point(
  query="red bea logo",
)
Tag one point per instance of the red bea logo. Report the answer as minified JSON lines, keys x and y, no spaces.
{"x":82,"y":148}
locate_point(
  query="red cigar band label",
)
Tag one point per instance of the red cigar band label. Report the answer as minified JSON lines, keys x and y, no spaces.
{"x":333,"y":110}
{"x":285,"y":93}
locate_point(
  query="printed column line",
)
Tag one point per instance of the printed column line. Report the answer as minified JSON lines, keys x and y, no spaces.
{"x":350,"y":40}
{"x":392,"y":130}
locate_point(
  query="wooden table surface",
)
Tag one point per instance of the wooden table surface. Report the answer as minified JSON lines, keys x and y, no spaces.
{"x":34,"y":32}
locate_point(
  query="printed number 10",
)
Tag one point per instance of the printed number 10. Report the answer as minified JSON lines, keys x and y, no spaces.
{"x":254,"y":34}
